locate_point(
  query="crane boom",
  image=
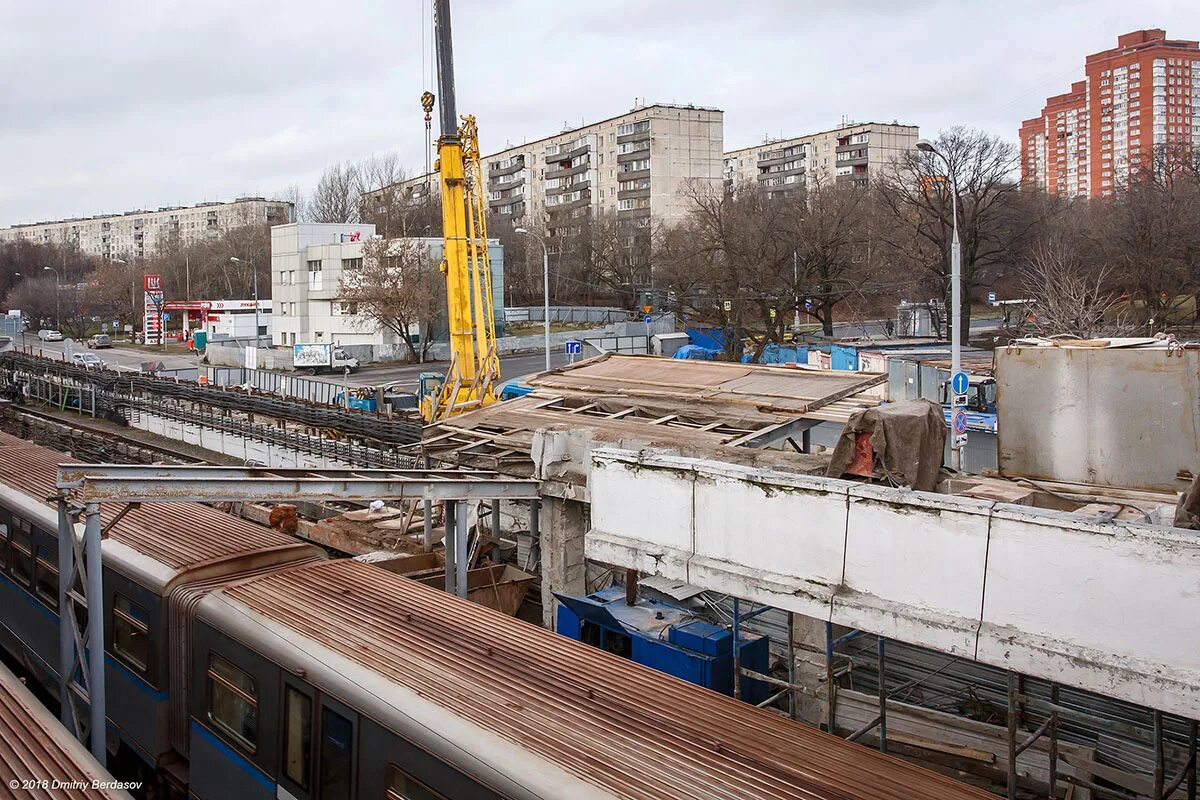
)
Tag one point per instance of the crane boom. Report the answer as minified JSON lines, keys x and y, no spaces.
{"x":474,"y":364}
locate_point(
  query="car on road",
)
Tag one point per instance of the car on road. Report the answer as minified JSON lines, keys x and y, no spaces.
{"x":99,"y":340}
{"x":47,"y":335}
{"x":87,"y":360}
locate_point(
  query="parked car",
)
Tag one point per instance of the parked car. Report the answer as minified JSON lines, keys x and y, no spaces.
{"x":47,"y":335}
{"x":87,"y":360}
{"x":99,"y":340}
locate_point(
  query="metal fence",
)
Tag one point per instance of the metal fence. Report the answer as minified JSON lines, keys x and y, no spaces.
{"x":591,"y":315}
{"x":288,"y":386}
{"x":618,"y":344}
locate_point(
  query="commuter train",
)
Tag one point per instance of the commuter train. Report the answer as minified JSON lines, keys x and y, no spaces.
{"x":244,"y":663}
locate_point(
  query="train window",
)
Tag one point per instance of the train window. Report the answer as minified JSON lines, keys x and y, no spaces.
{"x":297,"y":736}
{"x":400,"y":786}
{"x":131,"y":632}
{"x":337,"y":745}
{"x":22,"y":557}
{"x":233,"y":702}
{"x":47,"y":579}
{"x":3,"y":546}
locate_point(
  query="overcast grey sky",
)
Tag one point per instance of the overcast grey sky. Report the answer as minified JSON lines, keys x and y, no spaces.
{"x":112,"y":105}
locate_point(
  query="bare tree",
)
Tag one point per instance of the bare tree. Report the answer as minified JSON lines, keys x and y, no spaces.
{"x":396,"y":288}
{"x":832,"y":248}
{"x":1074,"y":296}
{"x":993,"y":221}
{"x":337,"y":196}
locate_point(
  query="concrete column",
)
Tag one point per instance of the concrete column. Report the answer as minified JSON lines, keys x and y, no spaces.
{"x":561,"y":529}
{"x":809,"y":642}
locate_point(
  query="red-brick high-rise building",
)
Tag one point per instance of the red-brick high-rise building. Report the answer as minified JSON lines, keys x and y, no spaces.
{"x":1143,"y":94}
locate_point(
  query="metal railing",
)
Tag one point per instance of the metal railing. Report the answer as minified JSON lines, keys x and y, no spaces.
{"x":285,"y":386}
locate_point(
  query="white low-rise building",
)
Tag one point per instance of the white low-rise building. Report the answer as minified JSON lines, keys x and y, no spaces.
{"x":307,"y":264}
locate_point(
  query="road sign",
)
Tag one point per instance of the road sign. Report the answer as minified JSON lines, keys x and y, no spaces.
{"x":727,"y":305}
{"x":960,"y":383}
{"x":991,"y":298}
{"x":574,"y":347}
{"x":958,"y":421}
{"x":648,"y":319}
{"x":959,"y":400}
{"x":959,"y":441}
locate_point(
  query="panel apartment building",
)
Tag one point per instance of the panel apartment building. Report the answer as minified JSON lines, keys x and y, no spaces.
{"x":136,"y":234}
{"x":1141,"y":95}
{"x":634,"y":165}
{"x":851,"y":154}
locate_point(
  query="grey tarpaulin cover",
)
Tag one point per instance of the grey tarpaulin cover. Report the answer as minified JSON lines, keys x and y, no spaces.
{"x":908,"y":438}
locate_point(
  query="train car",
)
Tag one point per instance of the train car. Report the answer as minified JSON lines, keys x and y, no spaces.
{"x":39,"y":758}
{"x":159,"y":561}
{"x":338,"y":680}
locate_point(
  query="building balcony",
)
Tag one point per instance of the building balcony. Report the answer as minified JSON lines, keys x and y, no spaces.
{"x":771,"y":159}
{"x":562,"y":208}
{"x":567,"y":172}
{"x":516,"y":166}
{"x":631,"y":194}
{"x":574,"y":187}
{"x":635,"y":155}
{"x":634,"y":213}
{"x":567,"y":155}
{"x":495,"y":186}
{"x":862,"y":159}
{"x":632,"y":175}
{"x":634,"y":137}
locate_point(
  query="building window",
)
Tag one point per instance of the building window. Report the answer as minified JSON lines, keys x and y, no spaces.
{"x":400,"y":786}
{"x":351,"y":263}
{"x":131,"y":632}
{"x":233,"y":702}
{"x":297,"y":736}
{"x":314,"y":266}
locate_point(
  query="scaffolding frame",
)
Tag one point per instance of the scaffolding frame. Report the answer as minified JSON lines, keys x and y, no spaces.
{"x":82,"y":488}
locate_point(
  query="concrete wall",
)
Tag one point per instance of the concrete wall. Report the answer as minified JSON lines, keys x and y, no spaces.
{"x":1112,"y":608}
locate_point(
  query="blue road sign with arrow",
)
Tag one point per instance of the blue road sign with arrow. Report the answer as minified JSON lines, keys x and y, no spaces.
{"x":960,"y":382}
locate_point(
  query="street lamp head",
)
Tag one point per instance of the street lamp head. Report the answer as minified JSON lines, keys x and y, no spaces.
{"x":119,"y":261}
{"x":926,"y":146}
{"x":50,"y":269}
{"x":235,"y":259}
{"x":520,"y":230}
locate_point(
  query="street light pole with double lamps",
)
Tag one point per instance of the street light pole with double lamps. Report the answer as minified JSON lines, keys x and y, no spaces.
{"x":545,"y":288}
{"x":926,"y":146}
{"x":253,"y":272}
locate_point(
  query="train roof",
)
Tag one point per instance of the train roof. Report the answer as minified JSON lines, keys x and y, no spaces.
{"x":593,"y":724}
{"x":36,"y":747}
{"x":171,"y":538}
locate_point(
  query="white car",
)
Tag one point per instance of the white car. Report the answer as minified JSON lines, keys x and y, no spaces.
{"x":87,"y":360}
{"x":47,"y":335}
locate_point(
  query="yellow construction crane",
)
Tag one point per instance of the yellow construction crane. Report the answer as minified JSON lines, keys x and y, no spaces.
{"x":474,"y":364}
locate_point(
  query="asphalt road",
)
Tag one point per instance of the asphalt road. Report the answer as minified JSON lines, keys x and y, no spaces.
{"x":129,"y":357}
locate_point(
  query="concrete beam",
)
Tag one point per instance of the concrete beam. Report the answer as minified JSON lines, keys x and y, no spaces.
{"x":1109,"y":607}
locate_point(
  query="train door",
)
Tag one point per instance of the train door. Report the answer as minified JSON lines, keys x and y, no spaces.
{"x":336,"y":764}
{"x":318,"y":746}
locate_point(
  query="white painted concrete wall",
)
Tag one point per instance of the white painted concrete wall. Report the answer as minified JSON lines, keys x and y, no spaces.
{"x":230,"y":444}
{"x":1113,"y":608}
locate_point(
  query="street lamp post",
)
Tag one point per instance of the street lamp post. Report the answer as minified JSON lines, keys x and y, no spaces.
{"x":545,"y":289}
{"x":955,"y":292}
{"x":254,"y":273}
{"x":132,"y":299}
{"x":57,"y":320}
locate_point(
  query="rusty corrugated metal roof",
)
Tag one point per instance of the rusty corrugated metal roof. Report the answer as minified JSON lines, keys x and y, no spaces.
{"x":34,"y":746}
{"x":629,"y":729}
{"x":178,"y":535}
